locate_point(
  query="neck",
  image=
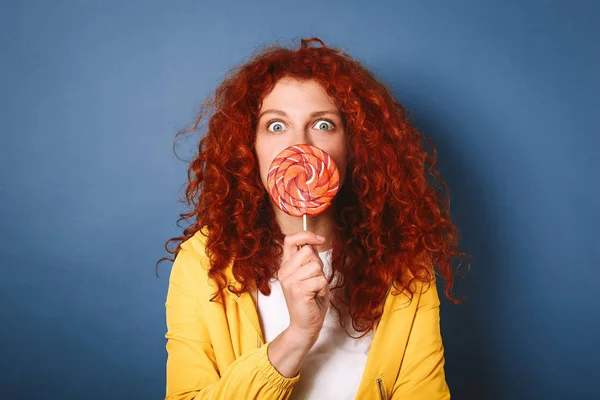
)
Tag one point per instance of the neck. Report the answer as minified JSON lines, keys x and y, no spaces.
{"x":321,"y":224}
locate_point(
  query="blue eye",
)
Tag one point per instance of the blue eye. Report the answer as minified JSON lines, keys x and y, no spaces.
{"x":277,"y":124}
{"x":323,"y":123}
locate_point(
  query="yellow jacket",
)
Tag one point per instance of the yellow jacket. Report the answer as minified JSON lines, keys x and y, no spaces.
{"x":218,"y":352}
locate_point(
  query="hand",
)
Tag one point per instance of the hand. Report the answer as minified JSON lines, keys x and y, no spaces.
{"x":304,"y":285}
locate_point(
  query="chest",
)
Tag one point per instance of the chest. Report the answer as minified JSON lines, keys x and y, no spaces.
{"x":236,"y":329}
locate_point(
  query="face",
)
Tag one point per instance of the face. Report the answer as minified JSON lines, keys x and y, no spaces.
{"x":297,"y":112}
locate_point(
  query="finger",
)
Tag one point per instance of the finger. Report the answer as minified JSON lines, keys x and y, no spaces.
{"x":301,"y":258}
{"x":305,"y":255}
{"x":324,"y":290}
{"x":292,"y":242}
{"x":317,"y":286}
{"x":307,"y":271}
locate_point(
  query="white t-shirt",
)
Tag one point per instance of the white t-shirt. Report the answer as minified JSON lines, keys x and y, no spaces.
{"x":334,"y":366}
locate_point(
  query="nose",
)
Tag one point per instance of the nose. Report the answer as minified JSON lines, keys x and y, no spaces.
{"x":303,"y":136}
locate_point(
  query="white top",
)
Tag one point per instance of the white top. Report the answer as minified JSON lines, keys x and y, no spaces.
{"x":334,"y":366}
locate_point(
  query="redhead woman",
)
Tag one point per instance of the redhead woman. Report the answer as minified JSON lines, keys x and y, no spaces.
{"x":260,"y":308}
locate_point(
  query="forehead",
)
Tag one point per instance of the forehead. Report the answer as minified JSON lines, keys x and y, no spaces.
{"x":295,"y":94}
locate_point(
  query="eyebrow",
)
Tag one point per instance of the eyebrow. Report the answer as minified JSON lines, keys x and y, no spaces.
{"x":314,"y":114}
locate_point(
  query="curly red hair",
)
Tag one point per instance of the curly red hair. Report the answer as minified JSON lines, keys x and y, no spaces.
{"x":392,"y":209}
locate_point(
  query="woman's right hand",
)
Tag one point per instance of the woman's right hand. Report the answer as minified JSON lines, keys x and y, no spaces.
{"x":304,"y":285}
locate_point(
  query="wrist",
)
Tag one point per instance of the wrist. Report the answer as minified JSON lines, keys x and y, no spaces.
{"x":299,"y":339}
{"x":287,"y":351}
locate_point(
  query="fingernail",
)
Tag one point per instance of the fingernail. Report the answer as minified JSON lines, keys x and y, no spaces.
{"x":321,"y":238}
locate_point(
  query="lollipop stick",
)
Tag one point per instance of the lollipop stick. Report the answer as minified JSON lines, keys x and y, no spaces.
{"x":304,"y":225}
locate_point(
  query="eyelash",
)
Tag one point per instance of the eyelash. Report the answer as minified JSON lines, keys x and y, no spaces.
{"x":320,"y":119}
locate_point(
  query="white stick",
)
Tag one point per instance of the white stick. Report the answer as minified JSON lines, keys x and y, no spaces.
{"x":304,"y":221}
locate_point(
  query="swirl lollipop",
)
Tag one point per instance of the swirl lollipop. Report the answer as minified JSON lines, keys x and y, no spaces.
{"x":303,"y":180}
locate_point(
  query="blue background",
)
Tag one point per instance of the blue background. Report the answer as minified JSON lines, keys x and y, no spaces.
{"x":92,"y":94}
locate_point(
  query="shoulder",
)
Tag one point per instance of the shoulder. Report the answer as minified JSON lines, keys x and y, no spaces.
{"x":191,"y":264}
{"x":414,"y":291}
{"x":427,"y":290}
{"x":196,"y":243}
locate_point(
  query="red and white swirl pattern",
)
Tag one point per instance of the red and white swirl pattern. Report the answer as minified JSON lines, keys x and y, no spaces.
{"x":303,"y":179}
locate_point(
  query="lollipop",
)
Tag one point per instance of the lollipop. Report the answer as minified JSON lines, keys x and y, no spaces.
{"x":303,"y":180}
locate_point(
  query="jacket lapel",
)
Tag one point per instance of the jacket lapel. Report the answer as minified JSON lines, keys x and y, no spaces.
{"x":245,"y":302}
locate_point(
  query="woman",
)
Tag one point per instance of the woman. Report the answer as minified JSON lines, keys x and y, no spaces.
{"x":258,"y":308}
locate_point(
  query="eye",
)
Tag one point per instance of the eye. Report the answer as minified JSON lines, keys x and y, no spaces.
{"x":324,"y":124}
{"x":277,"y":126}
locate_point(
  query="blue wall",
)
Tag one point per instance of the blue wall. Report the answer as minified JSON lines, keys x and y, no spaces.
{"x":93,"y":92}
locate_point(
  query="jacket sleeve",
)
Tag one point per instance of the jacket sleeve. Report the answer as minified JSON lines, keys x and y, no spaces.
{"x":422,"y":371}
{"x":191,"y":369}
